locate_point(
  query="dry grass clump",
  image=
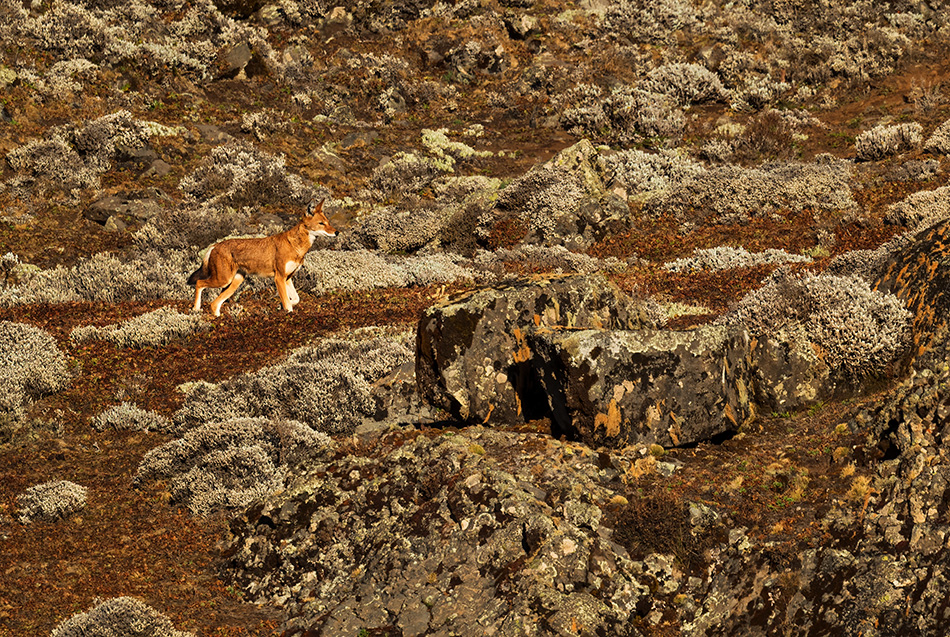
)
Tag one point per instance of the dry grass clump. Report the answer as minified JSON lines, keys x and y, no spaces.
{"x":129,"y":417}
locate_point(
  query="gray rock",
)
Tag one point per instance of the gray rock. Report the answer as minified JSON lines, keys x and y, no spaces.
{"x":473,"y":355}
{"x":614,"y":388}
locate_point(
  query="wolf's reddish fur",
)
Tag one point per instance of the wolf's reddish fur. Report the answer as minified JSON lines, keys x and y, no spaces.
{"x":277,"y":256}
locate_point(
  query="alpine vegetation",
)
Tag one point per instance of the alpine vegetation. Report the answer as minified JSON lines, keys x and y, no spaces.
{"x":106,"y":278}
{"x":859,"y":331}
{"x":128,"y":416}
{"x":883,"y":141}
{"x":726,"y":258}
{"x":227,"y":465}
{"x":329,"y":386}
{"x":31,"y":366}
{"x":119,"y":617}
{"x":151,"y":329}
{"x":50,"y":501}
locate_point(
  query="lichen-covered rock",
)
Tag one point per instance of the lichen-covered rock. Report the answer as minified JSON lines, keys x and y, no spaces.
{"x":472,"y":353}
{"x":561,"y":202}
{"x":50,"y":501}
{"x":727,"y":257}
{"x":469,"y":533}
{"x":919,"y":275}
{"x":31,"y":366}
{"x":119,"y":617}
{"x":618,"y":387}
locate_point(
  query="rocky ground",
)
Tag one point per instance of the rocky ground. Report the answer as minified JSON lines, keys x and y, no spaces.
{"x":635,"y":324}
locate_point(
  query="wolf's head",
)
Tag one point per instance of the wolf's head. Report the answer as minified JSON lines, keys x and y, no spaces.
{"x":316,"y":223}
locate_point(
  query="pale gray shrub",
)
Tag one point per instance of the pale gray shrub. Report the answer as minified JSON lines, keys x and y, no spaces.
{"x":939,"y":140}
{"x":50,"y":501}
{"x":127,"y":416}
{"x":626,"y":115}
{"x":227,"y":465}
{"x":238,"y":174}
{"x":649,"y":22}
{"x":685,"y":83}
{"x":883,"y":141}
{"x":921,"y":209}
{"x":726,"y":258}
{"x":198,"y":224}
{"x":393,"y":230}
{"x":53,"y":159}
{"x":118,"y":617}
{"x":640,"y":172}
{"x":106,"y":278}
{"x":328,"y":386}
{"x":547,"y":258}
{"x":404,"y":173}
{"x":859,"y":330}
{"x":31,"y":366}
{"x":151,"y":329}
{"x":366,"y":270}
{"x":731,"y":193}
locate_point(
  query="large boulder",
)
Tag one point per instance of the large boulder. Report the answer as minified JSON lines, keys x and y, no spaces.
{"x":473,"y":357}
{"x":620,"y":387}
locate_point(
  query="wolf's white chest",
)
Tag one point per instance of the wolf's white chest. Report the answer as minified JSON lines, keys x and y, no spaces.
{"x":290,"y":267}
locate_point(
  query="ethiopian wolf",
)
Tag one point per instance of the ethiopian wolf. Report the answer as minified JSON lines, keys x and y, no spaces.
{"x":277,"y":256}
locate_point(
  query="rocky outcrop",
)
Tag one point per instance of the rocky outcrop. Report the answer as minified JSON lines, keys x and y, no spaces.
{"x":562,"y":202}
{"x":478,"y":532}
{"x":613,"y":388}
{"x":473,"y":356}
{"x":919,"y":274}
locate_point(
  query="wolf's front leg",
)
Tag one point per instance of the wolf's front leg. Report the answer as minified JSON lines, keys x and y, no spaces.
{"x":283,"y":283}
{"x":292,"y":293}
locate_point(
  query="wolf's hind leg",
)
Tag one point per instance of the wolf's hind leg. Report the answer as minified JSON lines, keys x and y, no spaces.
{"x":226,"y":294}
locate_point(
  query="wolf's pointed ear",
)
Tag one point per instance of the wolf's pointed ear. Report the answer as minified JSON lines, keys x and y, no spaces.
{"x":314,"y":207}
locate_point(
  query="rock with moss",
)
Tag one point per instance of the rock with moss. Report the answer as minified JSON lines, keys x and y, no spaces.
{"x":473,"y":353}
{"x":620,"y":387}
{"x":119,"y":617}
{"x":50,"y":501}
{"x":917,"y":274}
{"x":480,"y":532}
{"x":561,"y":202}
